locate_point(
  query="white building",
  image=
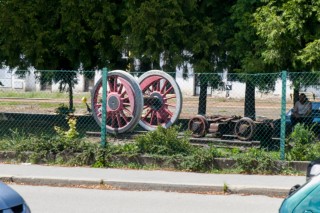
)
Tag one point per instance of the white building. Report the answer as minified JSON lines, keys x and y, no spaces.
{"x":11,"y":81}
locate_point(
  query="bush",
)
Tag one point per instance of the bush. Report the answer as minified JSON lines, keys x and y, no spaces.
{"x":64,"y":110}
{"x":257,"y":161}
{"x":164,"y":142}
{"x":301,"y":144}
{"x":77,"y":150}
{"x":201,"y":160}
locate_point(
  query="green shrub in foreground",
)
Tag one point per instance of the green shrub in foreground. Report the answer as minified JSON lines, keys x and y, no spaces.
{"x":164,"y":142}
{"x":63,"y":151}
{"x":257,"y":161}
{"x":302,"y":144}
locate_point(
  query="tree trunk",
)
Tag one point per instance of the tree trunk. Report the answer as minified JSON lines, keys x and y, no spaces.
{"x":249,"y":102}
{"x":202,"y":108}
{"x":295,"y":94}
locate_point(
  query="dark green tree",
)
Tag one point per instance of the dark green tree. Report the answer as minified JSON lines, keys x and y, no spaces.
{"x":61,"y":35}
{"x":179,"y":31}
{"x":291,"y":33}
{"x":156,"y":29}
{"x":244,"y":50}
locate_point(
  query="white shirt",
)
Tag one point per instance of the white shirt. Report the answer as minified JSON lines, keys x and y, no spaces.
{"x":302,"y":109}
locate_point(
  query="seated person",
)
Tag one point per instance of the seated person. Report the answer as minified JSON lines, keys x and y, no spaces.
{"x":302,"y":111}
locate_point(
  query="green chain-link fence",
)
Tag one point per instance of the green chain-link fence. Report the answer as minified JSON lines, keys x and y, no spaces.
{"x":237,"y":108}
{"x":33,"y":102}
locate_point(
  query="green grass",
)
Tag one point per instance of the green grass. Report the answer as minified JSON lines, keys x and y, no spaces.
{"x":19,"y":106}
{"x":42,"y":94}
{"x":55,"y":99}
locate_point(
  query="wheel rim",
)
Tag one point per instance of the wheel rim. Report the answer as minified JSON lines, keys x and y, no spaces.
{"x":124,"y":102}
{"x":166,"y":104}
{"x":198,"y":126}
{"x":244,"y":129}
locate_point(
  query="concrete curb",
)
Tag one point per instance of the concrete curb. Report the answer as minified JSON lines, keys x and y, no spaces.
{"x":221,"y":163}
{"x":142,"y":186}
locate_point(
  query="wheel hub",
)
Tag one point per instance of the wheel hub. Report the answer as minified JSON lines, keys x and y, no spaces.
{"x":157,"y":101}
{"x":114,"y":102}
{"x":243,"y":128}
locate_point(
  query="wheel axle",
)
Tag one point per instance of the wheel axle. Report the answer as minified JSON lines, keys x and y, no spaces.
{"x":155,"y":99}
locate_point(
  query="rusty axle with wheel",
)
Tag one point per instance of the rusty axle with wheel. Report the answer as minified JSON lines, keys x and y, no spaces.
{"x":152,"y":100}
{"x":243,"y":128}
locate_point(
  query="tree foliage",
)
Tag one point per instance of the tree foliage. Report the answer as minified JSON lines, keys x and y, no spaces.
{"x":245,"y":36}
{"x":177,"y":31}
{"x":291,"y":31}
{"x":60,"y":35}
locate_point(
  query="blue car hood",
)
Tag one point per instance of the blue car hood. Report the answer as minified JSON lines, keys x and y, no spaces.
{"x":9,"y":197}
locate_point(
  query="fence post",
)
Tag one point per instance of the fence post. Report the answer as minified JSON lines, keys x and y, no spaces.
{"x":104,"y":107}
{"x":283,"y":114}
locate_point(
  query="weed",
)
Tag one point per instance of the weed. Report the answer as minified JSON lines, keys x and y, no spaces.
{"x":162,"y":148}
{"x":201,"y":160}
{"x":256,"y":161}
{"x":72,"y":132}
{"x":226,"y":188}
{"x":64,"y":110}
{"x":301,"y":144}
{"x":164,"y":141}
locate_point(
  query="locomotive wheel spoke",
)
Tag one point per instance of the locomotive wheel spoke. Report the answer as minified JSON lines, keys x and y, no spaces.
{"x":126,"y":104}
{"x":125,"y":100}
{"x":147,"y":90}
{"x":168,"y":90}
{"x":111,"y":84}
{"x":127,"y":110}
{"x":168,"y":112}
{"x":168,"y":98}
{"x":120,"y":88}
{"x":147,"y":114}
{"x":115,"y":84}
{"x":153,"y":116}
{"x":163,"y":116}
{"x":171,"y":105}
{"x":164,"y":86}
{"x":159,"y":118}
{"x":125,"y":118}
{"x":118,"y":119}
{"x":113,"y":120}
{"x":158,"y":85}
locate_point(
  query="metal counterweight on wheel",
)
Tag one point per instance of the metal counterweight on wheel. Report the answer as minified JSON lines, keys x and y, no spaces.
{"x":155,"y":99}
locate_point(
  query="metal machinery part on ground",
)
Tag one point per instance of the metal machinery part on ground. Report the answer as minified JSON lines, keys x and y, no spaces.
{"x":243,"y":128}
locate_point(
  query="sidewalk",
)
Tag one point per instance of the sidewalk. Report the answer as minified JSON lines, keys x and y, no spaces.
{"x":149,"y":180}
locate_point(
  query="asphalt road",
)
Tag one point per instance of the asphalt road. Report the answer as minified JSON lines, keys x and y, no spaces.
{"x":58,"y":199}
